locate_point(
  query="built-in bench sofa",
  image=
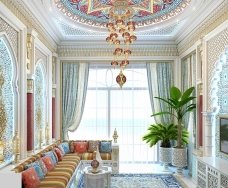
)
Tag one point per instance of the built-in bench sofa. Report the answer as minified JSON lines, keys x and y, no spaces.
{"x":57,"y":165}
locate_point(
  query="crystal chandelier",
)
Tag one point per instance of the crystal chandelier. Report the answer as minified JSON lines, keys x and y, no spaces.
{"x":121,"y":34}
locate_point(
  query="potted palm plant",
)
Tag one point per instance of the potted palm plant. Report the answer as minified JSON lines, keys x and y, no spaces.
{"x":164,"y":134}
{"x":179,"y":104}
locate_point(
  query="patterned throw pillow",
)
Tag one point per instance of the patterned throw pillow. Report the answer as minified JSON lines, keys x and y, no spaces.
{"x":105,"y":146}
{"x":93,"y":145}
{"x":80,"y":146}
{"x":43,"y":167}
{"x":38,"y":169}
{"x":52,"y":155}
{"x":61,"y":149}
{"x":59,"y":154}
{"x":30,"y":178}
{"x":66,"y":147}
{"x":48,"y":163}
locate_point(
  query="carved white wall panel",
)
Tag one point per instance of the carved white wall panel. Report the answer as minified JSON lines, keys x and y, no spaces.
{"x":12,"y":34}
{"x":8,"y":96}
{"x":217,"y":17}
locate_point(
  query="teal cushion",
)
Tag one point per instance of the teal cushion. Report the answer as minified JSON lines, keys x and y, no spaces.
{"x":66,"y":147}
{"x":105,"y":146}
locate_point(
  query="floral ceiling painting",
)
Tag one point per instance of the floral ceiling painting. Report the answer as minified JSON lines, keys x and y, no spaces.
{"x":96,"y":12}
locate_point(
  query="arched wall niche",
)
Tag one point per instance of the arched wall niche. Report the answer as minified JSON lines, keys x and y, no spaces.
{"x":219,"y":96}
{"x":8,"y":97}
{"x":40,"y":104}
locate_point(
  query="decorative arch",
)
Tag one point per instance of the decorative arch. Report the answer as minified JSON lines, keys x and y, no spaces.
{"x":8,"y":97}
{"x":40,"y":110}
{"x":219,"y":94}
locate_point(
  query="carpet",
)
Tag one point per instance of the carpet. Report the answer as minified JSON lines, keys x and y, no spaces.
{"x":141,"y":181}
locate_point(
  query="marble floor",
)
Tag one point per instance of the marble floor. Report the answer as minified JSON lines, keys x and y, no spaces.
{"x":155,"y":169}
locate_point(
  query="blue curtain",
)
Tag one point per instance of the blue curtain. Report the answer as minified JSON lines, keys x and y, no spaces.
{"x":74,"y":87}
{"x":160,"y":80}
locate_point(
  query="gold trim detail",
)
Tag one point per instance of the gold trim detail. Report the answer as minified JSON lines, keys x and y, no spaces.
{"x":3,"y":118}
{"x":30,"y":85}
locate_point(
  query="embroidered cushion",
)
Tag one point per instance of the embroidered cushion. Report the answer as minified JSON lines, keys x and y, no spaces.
{"x":30,"y":178}
{"x":80,"y":146}
{"x":43,"y":167}
{"x":105,"y":146}
{"x":38,"y":169}
{"x":66,"y":147}
{"x":93,"y":145}
{"x":48,"y":162}
{"x":53,"y":156}
{"x":61,"y":149}
{"x":59,"y":154}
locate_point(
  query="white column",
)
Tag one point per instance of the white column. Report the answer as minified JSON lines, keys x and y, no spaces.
{"x":208,"y":133}
{"x":115,"y":158}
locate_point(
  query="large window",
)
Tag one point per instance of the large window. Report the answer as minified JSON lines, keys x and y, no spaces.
{"x":128,"y":110}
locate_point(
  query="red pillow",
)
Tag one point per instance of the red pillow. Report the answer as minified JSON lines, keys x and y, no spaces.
{"x":59,"y":154}
{"x":30,"y":178}
{"x":48,"y":162}
{"x":80,"y":147}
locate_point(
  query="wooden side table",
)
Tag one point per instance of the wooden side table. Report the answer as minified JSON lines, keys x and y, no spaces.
{"x":101,"y":179}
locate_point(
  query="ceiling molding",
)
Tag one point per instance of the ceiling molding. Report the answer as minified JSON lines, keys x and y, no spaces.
{"x":22,"y":12}
{"x":213,"y":20}
{"x":105,"y":51}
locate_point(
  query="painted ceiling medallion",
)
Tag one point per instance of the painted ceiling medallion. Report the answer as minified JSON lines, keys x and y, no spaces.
{"x":146,"y":12}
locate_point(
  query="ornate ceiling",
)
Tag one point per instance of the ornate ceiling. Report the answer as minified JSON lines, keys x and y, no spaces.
{"x":157,"y":21}
{"x":96,"y":12}
{"x":73,"y":20}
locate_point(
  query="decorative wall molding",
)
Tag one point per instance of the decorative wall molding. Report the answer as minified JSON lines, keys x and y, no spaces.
{"x":18,"y":8}
{"x":30,"y":85}
{"x":12,"y":34}
{"x":39,"y":105}
{"x":40,"y":55}
{"x":215,"y":47}
{"x":54,"y":61}
{"x":106,"y":50}
{"x":217,"y":17}
{"x":8,"y":98}
{"x":208,"y":133}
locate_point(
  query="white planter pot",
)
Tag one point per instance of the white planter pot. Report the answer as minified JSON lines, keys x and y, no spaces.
{"x":179,"y":158}
{"x":165,"y":155}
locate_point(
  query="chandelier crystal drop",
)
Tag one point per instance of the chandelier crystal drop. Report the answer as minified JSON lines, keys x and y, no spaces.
{"x":121,"y":35}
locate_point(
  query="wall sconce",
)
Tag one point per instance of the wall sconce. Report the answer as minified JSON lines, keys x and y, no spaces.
{"x":16,"y":147}
{"x":1,"y":152}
